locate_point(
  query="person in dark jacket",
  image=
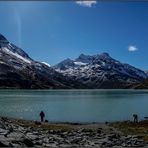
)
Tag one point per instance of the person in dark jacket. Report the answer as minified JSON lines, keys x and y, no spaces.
{"x":135,"y":116}
{"x":42,"y":115}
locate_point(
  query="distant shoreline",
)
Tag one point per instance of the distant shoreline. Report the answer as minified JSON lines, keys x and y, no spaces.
{"x":13,"y":88}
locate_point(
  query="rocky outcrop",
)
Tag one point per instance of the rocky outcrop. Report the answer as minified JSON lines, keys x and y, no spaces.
{"x":15,"y":134}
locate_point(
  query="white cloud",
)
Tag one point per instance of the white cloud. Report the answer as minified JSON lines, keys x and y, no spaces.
{"x":86,"y":3}
{"x":132,"y":48}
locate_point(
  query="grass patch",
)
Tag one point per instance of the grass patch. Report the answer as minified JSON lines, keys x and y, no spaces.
{"x":130,"y":128}
{"x":45,"y":126}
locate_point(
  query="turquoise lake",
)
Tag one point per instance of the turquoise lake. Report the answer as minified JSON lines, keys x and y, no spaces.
{"x":74,"y":105}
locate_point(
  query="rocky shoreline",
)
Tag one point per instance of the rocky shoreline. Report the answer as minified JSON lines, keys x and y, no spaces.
{"x":21,"y":133}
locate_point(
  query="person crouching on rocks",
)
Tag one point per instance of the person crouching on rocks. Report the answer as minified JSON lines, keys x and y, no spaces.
{"x":42,"y":115}
{"x":135,"y":116}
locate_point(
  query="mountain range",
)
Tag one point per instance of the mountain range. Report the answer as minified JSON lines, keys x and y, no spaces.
{"x":100,"y":71}
{"x":18,"y":70}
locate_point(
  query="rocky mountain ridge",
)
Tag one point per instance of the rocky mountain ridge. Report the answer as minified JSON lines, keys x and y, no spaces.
{"x":18,"y":70}
{"x":100,"y":71}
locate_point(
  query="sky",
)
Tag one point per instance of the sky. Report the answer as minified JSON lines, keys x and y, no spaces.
{"x":53,"y":31}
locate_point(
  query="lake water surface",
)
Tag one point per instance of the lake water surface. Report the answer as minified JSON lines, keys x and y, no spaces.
{"x":74,"y":105}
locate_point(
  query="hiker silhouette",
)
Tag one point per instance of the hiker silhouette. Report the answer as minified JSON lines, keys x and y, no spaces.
{"x":42,"y":115}
{"x":135,"y":116}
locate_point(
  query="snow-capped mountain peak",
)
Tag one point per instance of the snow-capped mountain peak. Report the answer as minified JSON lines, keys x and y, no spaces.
{"x":18,"y":70}
{"x":84,"y":58}
{"x":2,"y":38}
{"x":14,"y":52}
{"x":3,"y":41}
{"x":104,"y":54}
{"x":100,"y":70}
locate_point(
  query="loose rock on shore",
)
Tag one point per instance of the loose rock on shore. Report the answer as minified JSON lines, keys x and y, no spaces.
{"x":15,"y":133}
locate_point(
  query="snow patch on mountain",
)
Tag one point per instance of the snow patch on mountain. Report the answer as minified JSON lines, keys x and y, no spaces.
{"x":46,"y":64}
{"x":6,"y":50}
{"x":80,"y":63}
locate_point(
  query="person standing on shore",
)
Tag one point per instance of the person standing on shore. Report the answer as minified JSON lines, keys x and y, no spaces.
{"x":42,"y":115}
{"x":135,"y":116}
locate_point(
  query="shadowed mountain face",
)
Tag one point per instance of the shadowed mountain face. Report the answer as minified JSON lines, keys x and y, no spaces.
{"x":100,"y":71}
{"x":2,"y":38}
{"x":141,"y":85}
{"x":18,"y":70}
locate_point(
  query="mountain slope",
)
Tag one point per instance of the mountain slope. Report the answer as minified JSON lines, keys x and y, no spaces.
{"x":146,"y":72}
{"x":18,"y":70}
{"x":100,"y":71}
{"x":142,"y":85}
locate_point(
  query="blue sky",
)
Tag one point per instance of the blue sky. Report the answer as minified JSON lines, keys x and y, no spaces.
{"x":52,"y":31}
